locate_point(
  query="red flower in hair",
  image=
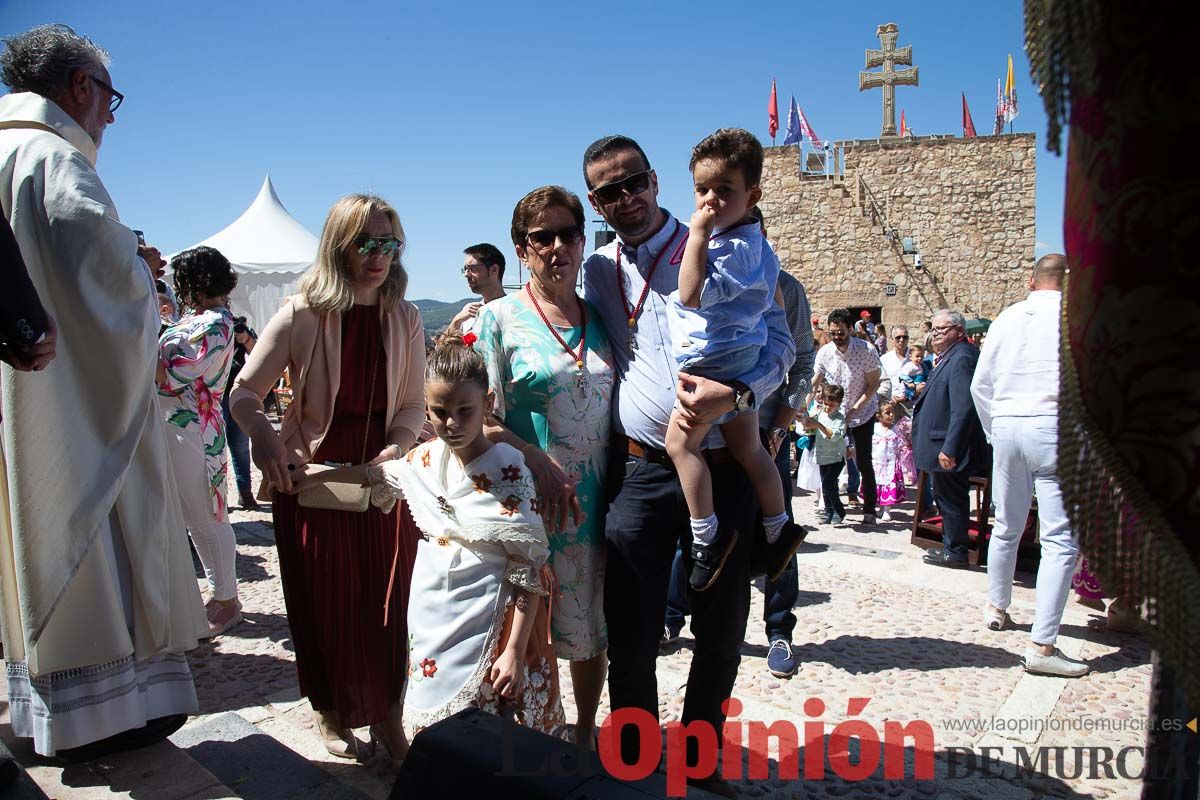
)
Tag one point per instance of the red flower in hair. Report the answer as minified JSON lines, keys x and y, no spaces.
{"x":469,"y":339}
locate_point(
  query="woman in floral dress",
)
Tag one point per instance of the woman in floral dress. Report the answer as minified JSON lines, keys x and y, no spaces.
{"x":551,"y":368}
{"x":193,"y":368}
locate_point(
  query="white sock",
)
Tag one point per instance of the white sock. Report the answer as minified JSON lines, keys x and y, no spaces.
{"x":704,"y":530}
{"x":773,"y":526}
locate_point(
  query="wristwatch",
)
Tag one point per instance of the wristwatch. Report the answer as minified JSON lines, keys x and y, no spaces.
{"x":779,"y":433}
{"x":743,"y":396}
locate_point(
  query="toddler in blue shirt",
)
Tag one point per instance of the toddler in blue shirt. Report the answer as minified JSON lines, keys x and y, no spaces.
{"x":727,"y":282}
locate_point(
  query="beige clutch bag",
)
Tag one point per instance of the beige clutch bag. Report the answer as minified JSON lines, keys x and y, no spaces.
{"x":345,"y":496}
{"x":336,"y":497}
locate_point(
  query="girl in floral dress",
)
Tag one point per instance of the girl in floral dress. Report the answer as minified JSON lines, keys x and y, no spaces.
{"x":477,"y":616}
{"x":891,"y":453}
{"x":194,"y":357}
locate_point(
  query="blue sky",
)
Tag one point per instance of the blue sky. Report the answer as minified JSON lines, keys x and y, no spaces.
{"x":453,"y":113}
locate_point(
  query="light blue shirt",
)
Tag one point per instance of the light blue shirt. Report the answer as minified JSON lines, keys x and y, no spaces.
{"x":742,"y":271}
{"x":646,"y":374}
{"x":832,"y":448}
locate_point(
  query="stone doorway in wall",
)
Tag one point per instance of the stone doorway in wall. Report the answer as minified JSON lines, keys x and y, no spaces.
{"x":876,"y":313}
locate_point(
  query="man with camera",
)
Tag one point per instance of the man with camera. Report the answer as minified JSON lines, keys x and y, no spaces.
{"x":244,"y":339}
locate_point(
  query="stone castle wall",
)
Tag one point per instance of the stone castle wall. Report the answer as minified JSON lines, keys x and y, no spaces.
{"x":967,"y":203}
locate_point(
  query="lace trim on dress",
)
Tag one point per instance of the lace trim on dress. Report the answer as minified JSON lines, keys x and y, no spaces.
{"x":525,"y":576}
{"x":467,"y":696}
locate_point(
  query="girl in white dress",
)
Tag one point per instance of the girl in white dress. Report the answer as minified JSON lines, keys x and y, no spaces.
{"x":478,"y":615}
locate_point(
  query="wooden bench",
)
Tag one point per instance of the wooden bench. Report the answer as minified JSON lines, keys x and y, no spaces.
{"x":927,"y":530}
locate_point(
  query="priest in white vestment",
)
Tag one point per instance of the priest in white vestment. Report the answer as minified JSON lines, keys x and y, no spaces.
{"x":97,"y":591}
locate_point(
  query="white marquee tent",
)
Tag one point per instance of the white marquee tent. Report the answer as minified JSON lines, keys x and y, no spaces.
{"x":269,"y":250}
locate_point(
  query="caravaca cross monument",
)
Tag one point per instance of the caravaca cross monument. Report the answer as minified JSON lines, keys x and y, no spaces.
{"x":903,"y":226}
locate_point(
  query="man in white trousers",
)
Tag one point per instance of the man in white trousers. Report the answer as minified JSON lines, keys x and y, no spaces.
{"x":1015,"y":390}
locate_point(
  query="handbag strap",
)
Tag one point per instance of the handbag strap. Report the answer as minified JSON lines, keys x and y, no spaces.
{"x":370,"y":402}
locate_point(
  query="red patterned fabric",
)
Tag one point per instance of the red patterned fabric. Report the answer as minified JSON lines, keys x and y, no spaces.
{"x":1129,"y":451}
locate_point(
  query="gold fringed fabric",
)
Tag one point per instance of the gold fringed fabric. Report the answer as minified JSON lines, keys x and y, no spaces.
{"x":1060,"y":37}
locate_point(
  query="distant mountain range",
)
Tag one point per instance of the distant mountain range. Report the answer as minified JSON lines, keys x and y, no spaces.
{"x":437,"y":315}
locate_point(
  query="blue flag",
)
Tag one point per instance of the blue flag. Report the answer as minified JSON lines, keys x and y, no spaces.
{"x":792,"y":136}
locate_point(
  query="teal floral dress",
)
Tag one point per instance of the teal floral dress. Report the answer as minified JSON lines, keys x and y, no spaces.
{"x":196,"y":352}
{"x":543,"y":397}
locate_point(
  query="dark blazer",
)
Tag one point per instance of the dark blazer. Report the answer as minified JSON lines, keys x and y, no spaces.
{"x":944,"y":417}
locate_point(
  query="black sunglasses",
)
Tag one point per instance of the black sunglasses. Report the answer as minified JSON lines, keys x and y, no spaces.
{"x":367,"y":245}
{"x":612,"y":192}
{"x":544,"y":238}
{"x":117,"y":97}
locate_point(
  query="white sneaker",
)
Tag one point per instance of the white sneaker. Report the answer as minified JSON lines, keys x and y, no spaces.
{"x":884,"y":516}
{"x":1056,"y":664}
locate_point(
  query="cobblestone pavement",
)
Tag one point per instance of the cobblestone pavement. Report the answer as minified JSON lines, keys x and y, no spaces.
{"x":872,"y":622}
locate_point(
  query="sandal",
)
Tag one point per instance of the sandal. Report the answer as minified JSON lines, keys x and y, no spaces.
{"x":995,"y":619}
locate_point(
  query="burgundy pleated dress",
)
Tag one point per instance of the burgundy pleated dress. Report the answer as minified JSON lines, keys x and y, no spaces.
{"x":339,"y":569}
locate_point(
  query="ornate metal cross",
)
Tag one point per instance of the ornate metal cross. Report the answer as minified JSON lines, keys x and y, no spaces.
{"x":890,"y":78}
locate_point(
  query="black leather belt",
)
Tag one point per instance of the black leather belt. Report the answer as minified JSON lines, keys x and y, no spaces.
{"x":654,"y":455}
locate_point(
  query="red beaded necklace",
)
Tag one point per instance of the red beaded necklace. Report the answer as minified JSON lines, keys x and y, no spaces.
{"x":582,"y":336}
{"x":633,"y":314}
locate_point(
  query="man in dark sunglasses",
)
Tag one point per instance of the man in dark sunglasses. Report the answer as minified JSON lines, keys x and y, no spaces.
{"x":629,"y":282}
{"x":892,"y":364}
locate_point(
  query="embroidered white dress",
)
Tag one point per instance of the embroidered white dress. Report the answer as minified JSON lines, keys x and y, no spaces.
{"x":482,"y":542}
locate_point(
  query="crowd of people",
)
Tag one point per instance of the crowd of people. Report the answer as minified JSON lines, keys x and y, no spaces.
{"x":451,"y":523}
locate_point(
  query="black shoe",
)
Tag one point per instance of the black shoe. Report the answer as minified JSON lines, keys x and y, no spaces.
{"x":153,"y":731}
{"x":779,"y":555}
{"x":709,"y":559}
{"x":247,"y":498}
{"x":940,"y":558}
{"x":714,"y":783}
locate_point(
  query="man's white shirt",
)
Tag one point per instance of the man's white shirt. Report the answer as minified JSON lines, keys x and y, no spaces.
{"x":1017,"y":374}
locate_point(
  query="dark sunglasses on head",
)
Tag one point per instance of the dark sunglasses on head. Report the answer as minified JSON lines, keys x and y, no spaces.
{"x":366,"y":245}
{"x":545,"y":238}
{"x":612,"y":192}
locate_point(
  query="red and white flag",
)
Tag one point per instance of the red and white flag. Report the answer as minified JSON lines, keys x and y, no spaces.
{"x":806,"y":129}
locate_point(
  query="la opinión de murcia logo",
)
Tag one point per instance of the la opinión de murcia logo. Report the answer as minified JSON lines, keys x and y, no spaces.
{"x":852,"y":764}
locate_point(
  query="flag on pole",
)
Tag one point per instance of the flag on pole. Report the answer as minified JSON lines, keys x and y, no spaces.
{"x":968,"y":124}
{"x":1010,"y":94}
{"x":793,"y":135}
{"x":806,"y":129}
{"x":903,"y":127}
{"x":999,"y":127}
{"x":773,"y":112}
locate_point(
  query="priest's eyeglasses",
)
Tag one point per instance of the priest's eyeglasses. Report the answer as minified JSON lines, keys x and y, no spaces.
{"x":612,"y":192}
{"x":117,"y":98}
{"x":369,"y":245}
